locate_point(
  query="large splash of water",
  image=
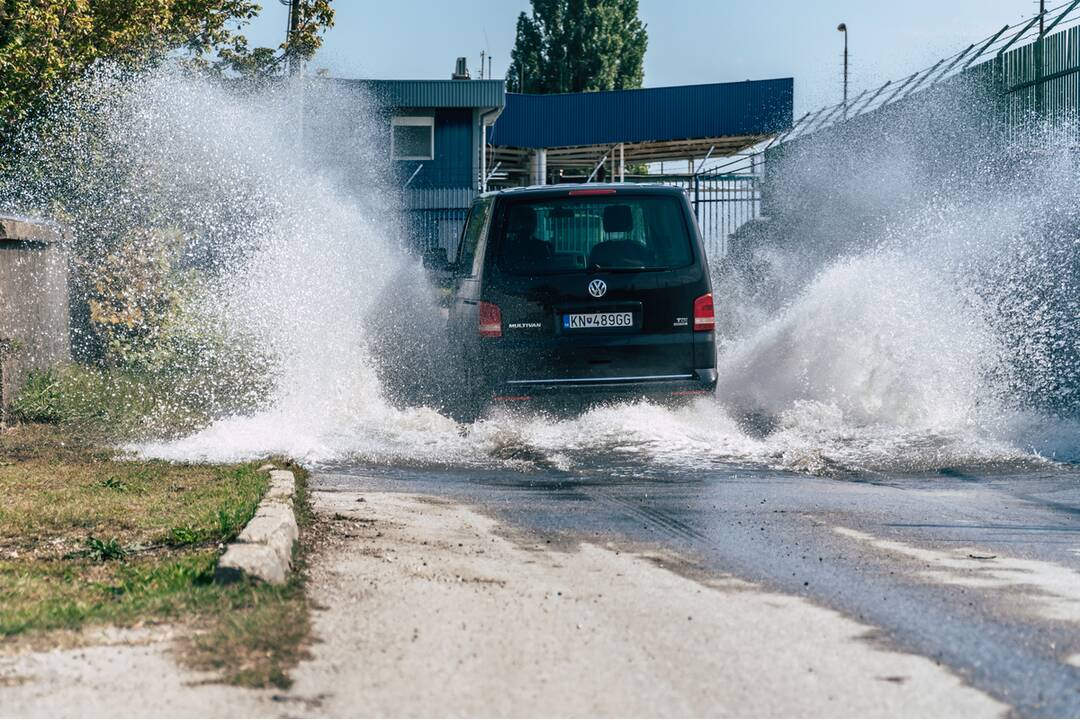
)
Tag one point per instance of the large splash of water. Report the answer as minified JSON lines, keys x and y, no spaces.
{"x":899,"y":324}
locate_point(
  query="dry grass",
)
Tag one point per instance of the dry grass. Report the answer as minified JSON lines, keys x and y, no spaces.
{"x":87,"y":539}
{"x":269,"y":632}
{"x":255,"y":644}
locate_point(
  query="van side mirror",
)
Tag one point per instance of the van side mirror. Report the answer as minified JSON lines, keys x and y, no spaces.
{"x":435,"y":260}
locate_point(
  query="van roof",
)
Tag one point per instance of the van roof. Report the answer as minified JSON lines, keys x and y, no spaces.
{"x":564,"y":188}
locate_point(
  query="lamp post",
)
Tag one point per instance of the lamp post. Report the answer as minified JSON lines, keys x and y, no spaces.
{"x":842,"y":27}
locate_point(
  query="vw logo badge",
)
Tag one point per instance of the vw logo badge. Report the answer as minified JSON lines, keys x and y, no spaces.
{"x":597,"y":288}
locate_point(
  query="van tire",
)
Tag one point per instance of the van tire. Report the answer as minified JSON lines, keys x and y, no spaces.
{"x":469,"y":402}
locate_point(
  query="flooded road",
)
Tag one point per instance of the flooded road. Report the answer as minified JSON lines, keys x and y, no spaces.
{"x":894,"y":434}
{"x":979,"y":571}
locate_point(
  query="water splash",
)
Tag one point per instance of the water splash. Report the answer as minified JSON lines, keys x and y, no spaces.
{"x":920,"y":284}
{"x":896,"y":324}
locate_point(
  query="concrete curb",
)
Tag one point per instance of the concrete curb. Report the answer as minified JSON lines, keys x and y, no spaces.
{"x":264,"y":549}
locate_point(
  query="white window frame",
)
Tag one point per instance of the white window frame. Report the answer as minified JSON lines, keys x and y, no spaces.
{"x":414,"y":121}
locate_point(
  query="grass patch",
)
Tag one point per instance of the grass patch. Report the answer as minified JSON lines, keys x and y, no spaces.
{"x":119,"y":401}
{"x":86,"y":539}
{"x":142,"y":403}
{"x":267,"y":634}
{"x":62,"y":497}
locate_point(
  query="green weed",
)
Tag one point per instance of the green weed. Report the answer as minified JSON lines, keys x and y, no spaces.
{"x":104,"y":550}
{"x":113,"y":483}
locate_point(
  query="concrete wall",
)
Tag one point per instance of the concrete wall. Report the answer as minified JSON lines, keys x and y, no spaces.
{"x":34,"y":314}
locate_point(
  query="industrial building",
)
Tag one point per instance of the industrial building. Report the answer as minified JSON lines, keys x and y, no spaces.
{"x":449,"y":140}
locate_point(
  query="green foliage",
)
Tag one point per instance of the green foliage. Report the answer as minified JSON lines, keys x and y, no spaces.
{"x":156,"y":358}
{"x":126,"y":403}
{"x":10,"y":347}
{"x":578,"y":45}
{"x":180,"y":536}
{"x":56,"y":498}
{"x":45,"y":44}
{"x":76,"y":395}
{"x":144,"y":314}
{"x":232,"y":513}
{"x":43,"y":400}
{"x":134,"y":295}
{"x":113,"y":483}
{"x":101,"y":550}
{"x":70,"y":594}
{"x":312,"y":18}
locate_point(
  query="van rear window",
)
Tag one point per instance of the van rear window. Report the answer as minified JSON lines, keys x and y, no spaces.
{"x":555,"y":235}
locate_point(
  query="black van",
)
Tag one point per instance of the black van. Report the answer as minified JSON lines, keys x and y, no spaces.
{"x":580,"y":292}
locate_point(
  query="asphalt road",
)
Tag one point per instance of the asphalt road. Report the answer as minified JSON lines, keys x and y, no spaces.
{"x":980,"y":572}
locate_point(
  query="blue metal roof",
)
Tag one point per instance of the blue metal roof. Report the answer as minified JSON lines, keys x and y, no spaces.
{"x":435,"y":93}
{"x":752,"y":107}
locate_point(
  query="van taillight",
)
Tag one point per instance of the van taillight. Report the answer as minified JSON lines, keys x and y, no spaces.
{"x":490,"y":320}
{"x":704,"y":314}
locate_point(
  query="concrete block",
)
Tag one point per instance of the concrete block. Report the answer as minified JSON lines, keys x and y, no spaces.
{"x":35,"y":322}
{"x":264,"y":548}
{"x":251,"y":560}
{"x":274,"y":527}
{"x":282,"y":486}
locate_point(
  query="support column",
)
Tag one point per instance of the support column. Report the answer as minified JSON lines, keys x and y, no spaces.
{"x":483,"y":157}
{"x":622,"y":164}
{"x":538,"y":167}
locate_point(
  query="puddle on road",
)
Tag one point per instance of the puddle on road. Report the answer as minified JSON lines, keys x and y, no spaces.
{"x":1033,"y":587}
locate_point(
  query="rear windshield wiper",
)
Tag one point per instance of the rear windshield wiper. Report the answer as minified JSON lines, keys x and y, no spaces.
{"x":627,"y":269}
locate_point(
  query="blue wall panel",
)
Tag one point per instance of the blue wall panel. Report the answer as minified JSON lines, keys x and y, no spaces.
{"x":453,"y":162}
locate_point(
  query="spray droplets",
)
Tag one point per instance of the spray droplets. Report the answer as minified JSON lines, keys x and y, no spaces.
{"x":896,"y":316}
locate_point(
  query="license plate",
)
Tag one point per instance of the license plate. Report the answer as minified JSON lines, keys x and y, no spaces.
{"x":591,"y":321}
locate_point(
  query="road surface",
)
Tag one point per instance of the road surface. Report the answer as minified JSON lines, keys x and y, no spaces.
{"x":979,"y":572}
{"x":620,"y":589}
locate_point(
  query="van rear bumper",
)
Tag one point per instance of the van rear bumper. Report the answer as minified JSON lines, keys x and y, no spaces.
{"x":698,"y":382}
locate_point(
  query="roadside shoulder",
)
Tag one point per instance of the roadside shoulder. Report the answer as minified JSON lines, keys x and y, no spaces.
{"x":514,"y":625}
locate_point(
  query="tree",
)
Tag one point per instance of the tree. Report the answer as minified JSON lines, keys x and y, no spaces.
{"x":44,"y":44}
{"x":311,"y":18}
{"x":578,"y":45}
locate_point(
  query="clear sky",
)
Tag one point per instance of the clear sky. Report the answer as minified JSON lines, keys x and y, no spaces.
{"x":690,"y":41}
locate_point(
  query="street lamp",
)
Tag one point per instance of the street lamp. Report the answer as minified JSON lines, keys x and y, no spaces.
{"x":842,"y":27}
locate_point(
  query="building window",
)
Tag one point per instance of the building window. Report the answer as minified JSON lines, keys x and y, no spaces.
{"x":413,"y":138}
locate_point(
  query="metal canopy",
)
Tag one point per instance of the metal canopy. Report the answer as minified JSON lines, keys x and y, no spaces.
{"x":515,"y":161}
{"x":752,"y":107}
{"x":691,"y":122}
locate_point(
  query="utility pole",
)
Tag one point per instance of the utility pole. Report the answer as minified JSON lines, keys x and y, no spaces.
{"x":842,"y":27}
{"x":481,"y":64}
{"x":295,"y":63}
{"x":295,"y":60}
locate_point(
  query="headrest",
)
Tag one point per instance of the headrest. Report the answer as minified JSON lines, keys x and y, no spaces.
{"x":522,"y":221}
{"x":618,"y":219}
{"x":618,"y":253}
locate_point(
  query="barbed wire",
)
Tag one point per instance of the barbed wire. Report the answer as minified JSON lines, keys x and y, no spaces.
{"x":1061,"y":17}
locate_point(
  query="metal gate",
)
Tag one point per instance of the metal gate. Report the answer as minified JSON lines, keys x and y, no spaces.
{"x":434,"y":227}
{"x":723,"y":202}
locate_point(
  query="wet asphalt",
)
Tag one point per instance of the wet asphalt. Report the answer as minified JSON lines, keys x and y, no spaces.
{"x":778,"y":529}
